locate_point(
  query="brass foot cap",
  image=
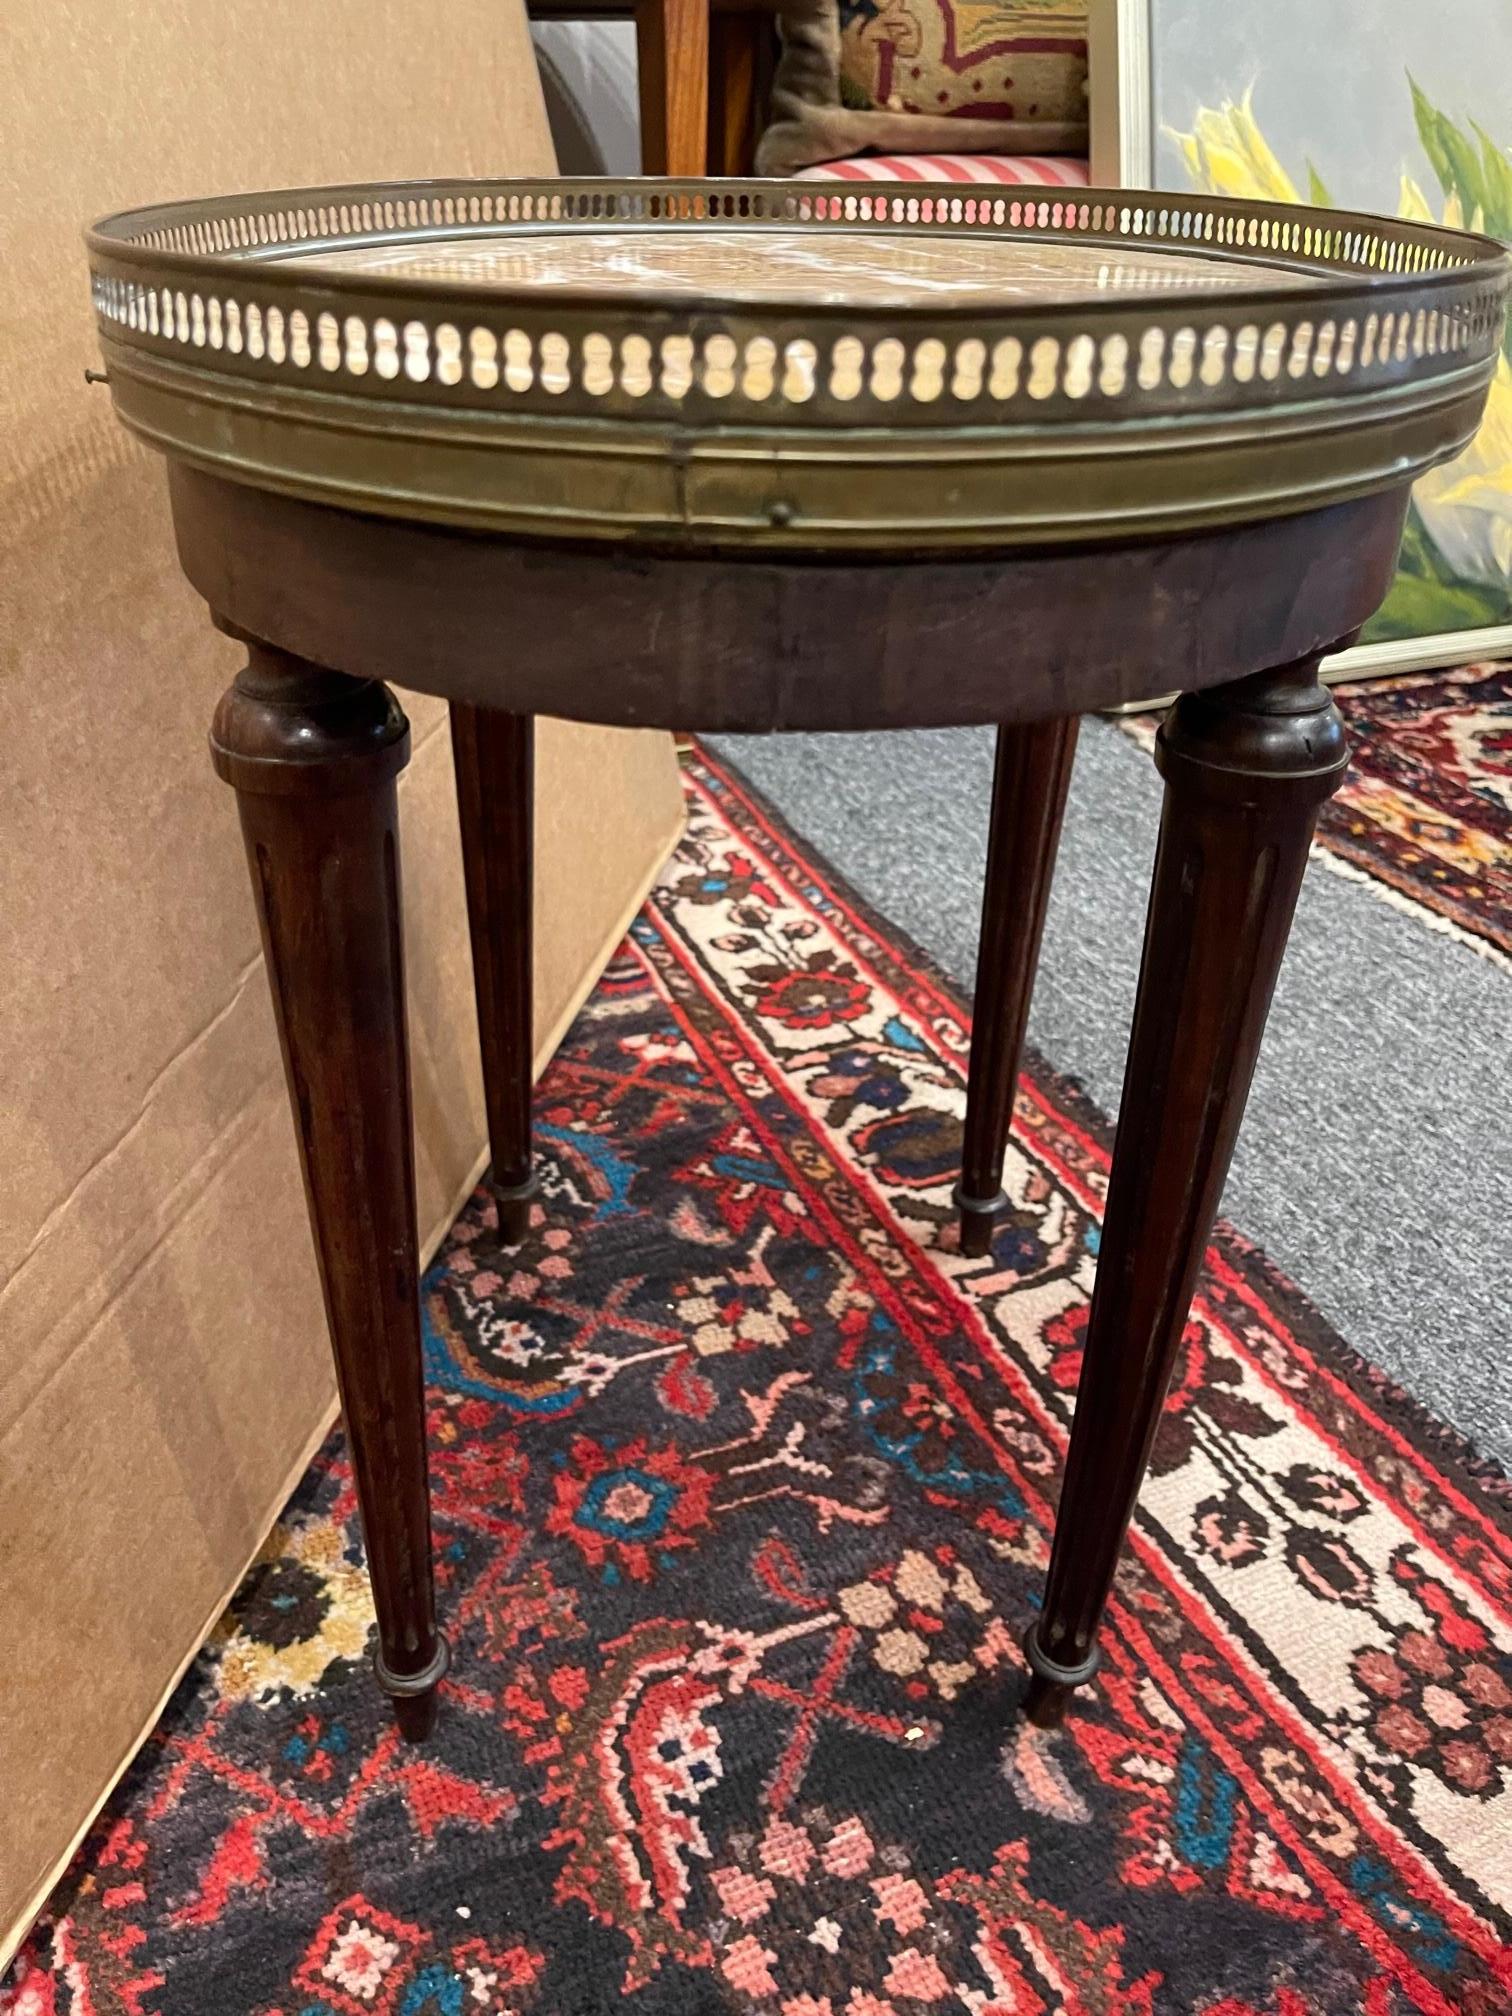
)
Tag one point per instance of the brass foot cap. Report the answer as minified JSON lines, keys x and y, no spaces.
{"x":979,"y":1216}
{"x":414,"y":1694}
{"x":1051,"y":1671}
{"x":513,"y":1202}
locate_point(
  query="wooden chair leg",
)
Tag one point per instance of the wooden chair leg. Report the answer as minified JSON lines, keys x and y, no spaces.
{"x":1246,"y":767}
{"x":1029,"y":785}
{"x":495,"y":764}
{"x":739,"y":64}
{"x":313,"y":757}
{"x":672,"y":61}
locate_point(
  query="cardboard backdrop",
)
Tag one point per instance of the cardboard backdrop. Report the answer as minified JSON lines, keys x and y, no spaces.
{"x":165,"y":1368}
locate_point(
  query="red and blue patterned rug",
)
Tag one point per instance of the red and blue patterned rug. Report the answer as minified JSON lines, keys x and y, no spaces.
{"x":1425,"y":811}
{"x":743,"y":1478}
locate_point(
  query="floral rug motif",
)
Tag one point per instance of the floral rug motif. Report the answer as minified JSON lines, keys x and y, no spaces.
{"x":743,"y":1476}
{"x":1425,"y":811}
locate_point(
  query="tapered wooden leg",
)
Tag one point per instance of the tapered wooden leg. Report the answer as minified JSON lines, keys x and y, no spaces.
{"x":314,"y":757}
{"x":1246,"y":767}
{"x":1029,"y":785}
{"x":495,"y":764}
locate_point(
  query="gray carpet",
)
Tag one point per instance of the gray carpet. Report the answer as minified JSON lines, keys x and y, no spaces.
{"x":1374,"y":1166}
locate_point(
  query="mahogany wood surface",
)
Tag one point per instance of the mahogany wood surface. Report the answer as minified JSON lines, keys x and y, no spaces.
{"x":1247,"y":769}
{"x":314,"y":757}
{"x":708,"y":641}
{"x":742,"y":55}
{"x":1026,"y":639}
{"x":1030,"y":779}
{"x":494,"y":758}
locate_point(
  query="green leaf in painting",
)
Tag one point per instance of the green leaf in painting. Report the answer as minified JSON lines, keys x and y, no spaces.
{"x":1456,"y":160}
{"x":1427,"y":598}
{"x":1496,"y":176}
{"x":1419,"y":555}
{"x":1418,"y":607}
{"x":1317,"y":189}
{"x":1428,"y":132}
{"x":1465,"y":167}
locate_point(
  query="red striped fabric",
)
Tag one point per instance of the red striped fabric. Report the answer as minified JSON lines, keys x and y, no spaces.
{"x":1045,"y":170}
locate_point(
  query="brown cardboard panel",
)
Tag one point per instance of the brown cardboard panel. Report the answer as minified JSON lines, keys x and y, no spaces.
{"x":165,"y":1370}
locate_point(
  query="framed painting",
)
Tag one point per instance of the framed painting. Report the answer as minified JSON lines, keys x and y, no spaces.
{"x":1398,"y":107}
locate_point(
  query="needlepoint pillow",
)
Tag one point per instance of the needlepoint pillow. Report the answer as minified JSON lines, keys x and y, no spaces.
{"x":922,"y":76}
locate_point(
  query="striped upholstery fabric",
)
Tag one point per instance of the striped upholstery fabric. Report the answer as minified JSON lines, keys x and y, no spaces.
{"x":1052,"y":171}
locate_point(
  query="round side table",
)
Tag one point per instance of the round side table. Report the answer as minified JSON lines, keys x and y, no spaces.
{"x":754,"y":456}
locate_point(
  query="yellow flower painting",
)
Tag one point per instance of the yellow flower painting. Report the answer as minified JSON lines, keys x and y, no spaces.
{"x":1456,"y":566}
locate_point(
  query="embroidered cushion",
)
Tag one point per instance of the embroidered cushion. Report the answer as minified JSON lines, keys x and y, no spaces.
{"x":920,"y":76}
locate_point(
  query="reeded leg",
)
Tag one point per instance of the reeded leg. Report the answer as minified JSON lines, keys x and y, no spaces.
{"x":495,"y":764}
{"x":1029,"y":784}
{"x":1247,"y":767}
{"x":314,"y":757}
